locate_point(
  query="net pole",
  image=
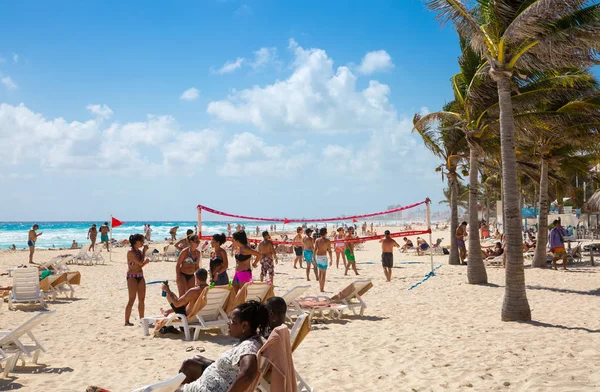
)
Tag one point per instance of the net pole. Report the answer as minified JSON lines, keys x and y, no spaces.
{"x":429,"y":228}
{"x":199,"y":222}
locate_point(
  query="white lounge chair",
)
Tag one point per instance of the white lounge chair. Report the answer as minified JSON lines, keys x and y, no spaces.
{"x":352,"y":298}
{"x":211,"y":315}
{"x":54,"y":285}
{"x":170,"y":254}
{"x":57,"y":264}
{"x":96,"y":257}
{"x":164,"y":386}
{"x":26,"y":287}
{"x":291,"y":300}
{"x":8,"y":360}
{"x":257,"y":291}
{"x":11,"y":341}
{"x":83,"y":255}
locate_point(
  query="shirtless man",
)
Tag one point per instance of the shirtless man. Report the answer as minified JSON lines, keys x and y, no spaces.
{"x":92,"y":235}
{"x":298,"y":247}
{"x":173,"y":233}
{"x":308,"y":245}
{"x":33,"y":236}
{"x":461,"y":235}
{"x":387,"y":254}
{"x":183,"y":305}
{"x":104,"y":229}
{"x":349,"y":251}
{"x":322,"y":248}
{"x":267,"y":250}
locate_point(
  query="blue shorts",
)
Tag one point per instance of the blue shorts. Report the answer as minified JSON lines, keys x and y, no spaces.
{"x":308,"y":256}
{"x":322,"y":262}
{"x":30,"y":243}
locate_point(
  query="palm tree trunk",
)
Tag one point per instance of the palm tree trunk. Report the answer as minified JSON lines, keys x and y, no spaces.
{"x":515,"y":306}
{"x":539,"y":260}
{"x":453,"y":186}
{"x":475,"y":268}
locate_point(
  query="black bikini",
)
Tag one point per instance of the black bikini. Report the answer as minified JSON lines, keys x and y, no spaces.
{"x":241,"y":258}
{"x":189,"y":277}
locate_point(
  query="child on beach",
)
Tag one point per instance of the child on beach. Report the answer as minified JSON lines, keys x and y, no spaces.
{"x":267,"y":250}
{"x":308,"y":245}
{"x":136,"y":285}
{"x":322,"y":248}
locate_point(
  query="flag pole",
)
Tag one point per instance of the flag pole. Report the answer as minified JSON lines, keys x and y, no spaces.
{"x":429,"y":228}
{"x":110,"y":241}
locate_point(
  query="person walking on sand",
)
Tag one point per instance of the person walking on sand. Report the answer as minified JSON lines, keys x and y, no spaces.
{"x":92,"y":235}
{"x":298,"y":247}
{"x":104,"y":230}
{"x":461,"y":235}
{"x":308,"y":246}
{"x":322,"y":248}
{"x":32,"y":238}
{"x":349,"y":251}
{"x":339,"y":247}
{"x":557,"y":244}
{"x":136,"y":285}
{"x":267,"y":250}
{"x":148,"y":233}
{"x":173,"y":233}
{"x":387,"y":255}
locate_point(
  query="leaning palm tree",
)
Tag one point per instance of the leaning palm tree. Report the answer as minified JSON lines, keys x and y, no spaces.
{"x":448,"y":144}
{"x":521,"y":37}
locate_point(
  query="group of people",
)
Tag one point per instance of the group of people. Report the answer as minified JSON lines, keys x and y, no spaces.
{"x":93,"y":235}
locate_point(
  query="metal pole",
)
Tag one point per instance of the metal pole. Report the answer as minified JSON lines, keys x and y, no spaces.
{"x":199,"y":221}
{"x":110,"y":241}
{"x":428,"y":213}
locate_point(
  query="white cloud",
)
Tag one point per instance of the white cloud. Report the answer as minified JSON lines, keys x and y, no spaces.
{"x":101,"y":111}
{"x":15,"y":58}
{"x":8,"y":83}
{"x":247,"y":154}
{"x":378,"y":60}
{"x":190,"y":94}
{"x":263,"y":57}
{"x":231,"y":66}
{"x":316,"y":96}
{"x":147,"y":147}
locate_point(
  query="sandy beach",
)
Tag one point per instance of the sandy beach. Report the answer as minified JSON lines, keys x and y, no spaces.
{"x":443,"y":335}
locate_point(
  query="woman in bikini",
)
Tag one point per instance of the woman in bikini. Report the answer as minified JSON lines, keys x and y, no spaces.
{"x":136,"y":285}
{"x":187,"y":263}
{"x":218,"y":261}
{"x":339,"y":247}
{"x":243,"y":270}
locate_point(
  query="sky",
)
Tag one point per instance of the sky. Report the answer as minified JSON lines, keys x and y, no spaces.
{"x":144,"y":109}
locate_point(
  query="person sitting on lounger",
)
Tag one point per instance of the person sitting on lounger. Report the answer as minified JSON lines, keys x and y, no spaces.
{"x":183,"y":305}
{"x":492,"y":251}
{"x":277,"y":310}
{"x":237,"y":367}
{"x":407,"y":245}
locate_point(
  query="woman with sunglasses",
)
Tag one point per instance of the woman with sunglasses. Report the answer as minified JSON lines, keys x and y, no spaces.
{"x":187,"y":264}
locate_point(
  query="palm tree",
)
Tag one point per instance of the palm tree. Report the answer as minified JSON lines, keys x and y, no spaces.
{"x":447,"y":144}
{"x":521,"y":37}
{"x":462,"y":196}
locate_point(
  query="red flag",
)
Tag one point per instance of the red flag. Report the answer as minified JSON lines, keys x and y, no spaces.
{"x":115,"y":222}
{"x":354,"y":220}
{"x":286,"y":221}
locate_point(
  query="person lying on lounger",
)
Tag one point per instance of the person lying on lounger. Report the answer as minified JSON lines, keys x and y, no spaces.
{"x":492,"y":251}
{"x":237,"y":367}
{"x":182,"y":305}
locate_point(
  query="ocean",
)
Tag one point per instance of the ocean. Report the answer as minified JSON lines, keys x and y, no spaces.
{"x":62,"y":234}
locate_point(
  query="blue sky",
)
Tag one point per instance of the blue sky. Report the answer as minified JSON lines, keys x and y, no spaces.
{"x":259,"y":107}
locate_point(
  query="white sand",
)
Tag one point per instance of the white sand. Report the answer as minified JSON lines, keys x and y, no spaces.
{"x":443,"y":335}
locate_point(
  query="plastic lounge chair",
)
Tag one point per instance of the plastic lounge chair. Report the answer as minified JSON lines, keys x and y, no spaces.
{"x":164,"y":386}
{"x":96,"y":257}
{"x":57,"y":264}
{"x":8,"y":360}
{"x":211,"y":315}
{"x":351,"y":296}
{"x":170,"y":254}
{"x":82,"y":256}
{"x":26,"y":287}
{"x":257,"y":292}
{"x":54,"y":285}
{"x":11,"y":341}
{"x":291,"y":300}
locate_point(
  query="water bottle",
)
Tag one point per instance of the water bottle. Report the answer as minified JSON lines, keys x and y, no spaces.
{"x":164,"y":293}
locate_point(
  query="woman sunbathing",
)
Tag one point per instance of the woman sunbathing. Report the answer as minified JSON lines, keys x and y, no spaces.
{"x":236,"y":368}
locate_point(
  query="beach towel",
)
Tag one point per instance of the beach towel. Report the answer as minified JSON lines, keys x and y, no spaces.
{"x":277,"y":351}
{"x":319,"y":303}
{"x":198,"y":305}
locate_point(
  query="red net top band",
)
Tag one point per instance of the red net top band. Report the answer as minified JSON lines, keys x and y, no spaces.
{"x":290,"y":220}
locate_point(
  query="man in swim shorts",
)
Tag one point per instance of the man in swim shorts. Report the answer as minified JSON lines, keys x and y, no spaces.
{"x":183,"y":305}
{"x":422,"y":246}
{"x":322,"y":248}
{"x":32,"y":238}
{"x":461,"y":234}
{"x":308,"y":244}
{"x":387,"y":256}
{"x":104,"y":229}
{"x":407,"y":245}
{"x":267,"y":250}
{"x":349,"y":251}
{"x":298,"y":247}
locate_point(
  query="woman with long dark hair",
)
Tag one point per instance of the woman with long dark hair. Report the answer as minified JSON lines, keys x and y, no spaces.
{"x":218,"y":261}
{"x":188,"y":262}
{"x":243,"y":268}
{"x":136,"y":284}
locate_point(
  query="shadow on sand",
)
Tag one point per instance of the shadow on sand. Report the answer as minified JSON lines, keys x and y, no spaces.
{"x":558,"y":326}
{"x":595,"y":292}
